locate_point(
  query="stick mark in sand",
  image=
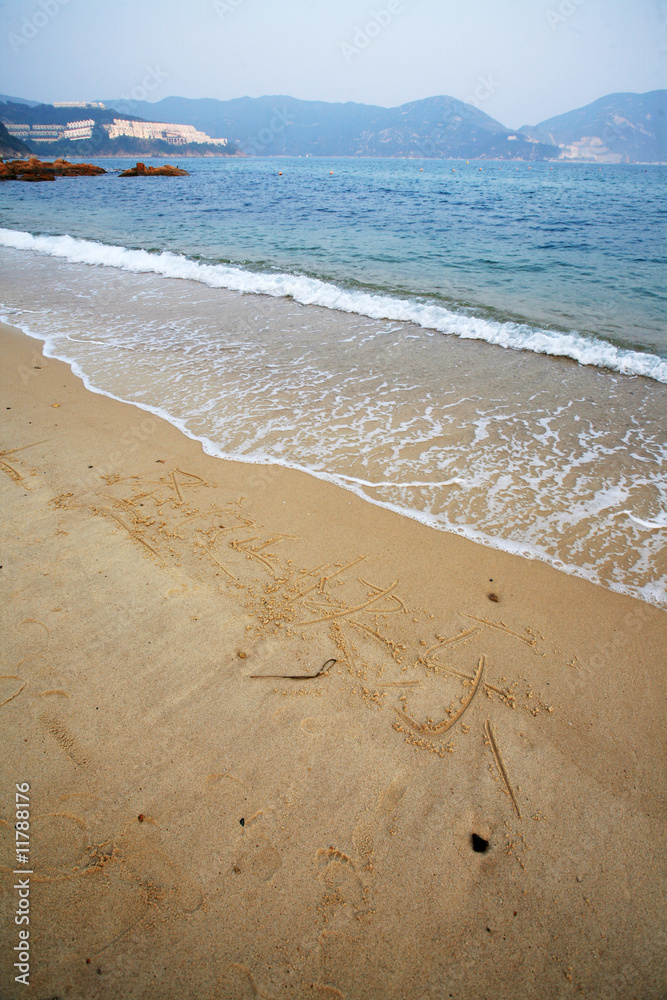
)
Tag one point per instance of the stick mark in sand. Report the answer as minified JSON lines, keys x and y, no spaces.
{"x":132,"y":533}
{"x":12,"y":677}
{"x":501,"y":767}
{"x":9,"y":469}
{"x":501,"y":628}
{"x":325,"y":579}
{"x":450,"y":642}
{"x":351,"y":611}
{"x":426,"y":728}
{"x":214,"y":558}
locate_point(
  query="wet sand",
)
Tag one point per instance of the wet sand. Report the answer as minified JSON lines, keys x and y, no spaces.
{"x":262,"y":720}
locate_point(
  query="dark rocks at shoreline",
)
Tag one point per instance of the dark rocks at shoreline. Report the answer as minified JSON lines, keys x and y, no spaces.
{"x":141,"y":170}
{"x":35,"y":169}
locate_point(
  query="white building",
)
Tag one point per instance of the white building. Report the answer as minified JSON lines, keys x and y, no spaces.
{"x":80,"y":104}
{"x":45,"y":133}
{"x":79,"y":130}
{"x":19,"y":131}
{"x":177,"y":135}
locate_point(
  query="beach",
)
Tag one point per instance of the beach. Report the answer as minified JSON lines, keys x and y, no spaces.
{"x":283,"y":742}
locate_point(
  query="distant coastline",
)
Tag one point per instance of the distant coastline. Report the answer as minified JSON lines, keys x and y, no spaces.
{"x":618,"y":128}
{"x":85,"y":130}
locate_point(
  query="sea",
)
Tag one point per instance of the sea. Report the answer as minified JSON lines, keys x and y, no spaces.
{"x":481,"y":346}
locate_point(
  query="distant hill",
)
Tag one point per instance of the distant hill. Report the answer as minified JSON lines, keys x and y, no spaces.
{"x":441,"y":127}
{"x":5,"y":98}
{"x":619,"y":128}
{"x":11,"y":147}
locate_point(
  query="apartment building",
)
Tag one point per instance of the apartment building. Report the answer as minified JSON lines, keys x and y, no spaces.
{"x":80,"y":104}
{"x":177,"y":135}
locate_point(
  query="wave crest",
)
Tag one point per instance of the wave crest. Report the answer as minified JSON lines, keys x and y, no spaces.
{"x":313,"y":291}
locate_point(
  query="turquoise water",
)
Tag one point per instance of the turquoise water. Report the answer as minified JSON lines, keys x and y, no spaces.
{"x":563,"y":247}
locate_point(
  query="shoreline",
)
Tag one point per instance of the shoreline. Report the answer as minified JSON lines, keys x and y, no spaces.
{"x":466,"y":533}
{"x":517,"y":540}
{"x":216,"y":814}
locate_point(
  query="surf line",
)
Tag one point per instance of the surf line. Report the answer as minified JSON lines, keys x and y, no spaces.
{"x":366,"y":482}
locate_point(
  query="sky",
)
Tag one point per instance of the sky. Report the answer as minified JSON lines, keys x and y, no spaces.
{"x":521,"y":61}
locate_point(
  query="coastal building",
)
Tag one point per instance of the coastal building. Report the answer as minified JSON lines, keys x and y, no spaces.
{"x":176,"y":135}
{"x":79,"y":130}
{"x":19,"y":130}
{"x":80,"y":104}
{"x":45,"y":133}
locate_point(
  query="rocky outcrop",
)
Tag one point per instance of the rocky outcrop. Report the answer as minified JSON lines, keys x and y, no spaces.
{"x":65,"y":169}
{"x":35,"y":169}
{"x":141,"y":170}
{"x":25,"y":170}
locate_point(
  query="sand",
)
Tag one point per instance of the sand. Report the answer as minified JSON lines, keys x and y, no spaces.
{"x":261,"y":721}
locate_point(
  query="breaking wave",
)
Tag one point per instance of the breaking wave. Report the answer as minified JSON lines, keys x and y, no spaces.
{"x":313,"y":291}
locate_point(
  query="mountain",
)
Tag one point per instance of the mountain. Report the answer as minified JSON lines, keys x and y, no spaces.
{"x":18,"y":100}
{"x":11,"y":147}
{"x":619,"y":128}
{"x":284,"y":126}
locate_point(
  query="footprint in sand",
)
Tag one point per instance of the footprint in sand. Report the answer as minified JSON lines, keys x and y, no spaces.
{"x":255,"y":854}
{"x":31,"y":637}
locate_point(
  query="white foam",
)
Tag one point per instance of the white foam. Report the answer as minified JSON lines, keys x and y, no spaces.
{"x":651,"y":593}
{"x":312,"y":291}
{"x":649,"y":525}
{"x":400,"y":485}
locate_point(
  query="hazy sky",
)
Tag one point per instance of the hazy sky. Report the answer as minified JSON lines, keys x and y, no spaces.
{"x":524,"y":60}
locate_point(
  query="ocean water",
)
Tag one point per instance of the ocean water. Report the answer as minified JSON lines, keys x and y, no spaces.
{"x":482,"y":349}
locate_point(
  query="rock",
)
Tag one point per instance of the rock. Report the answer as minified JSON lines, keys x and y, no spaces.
{"x":37,"y":177}
{"x":65,"y":169}
{"x":141,"y":170}
{"x":35,"y":169}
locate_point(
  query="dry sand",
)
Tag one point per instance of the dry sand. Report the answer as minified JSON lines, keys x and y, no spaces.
{"x":201,"y":832}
